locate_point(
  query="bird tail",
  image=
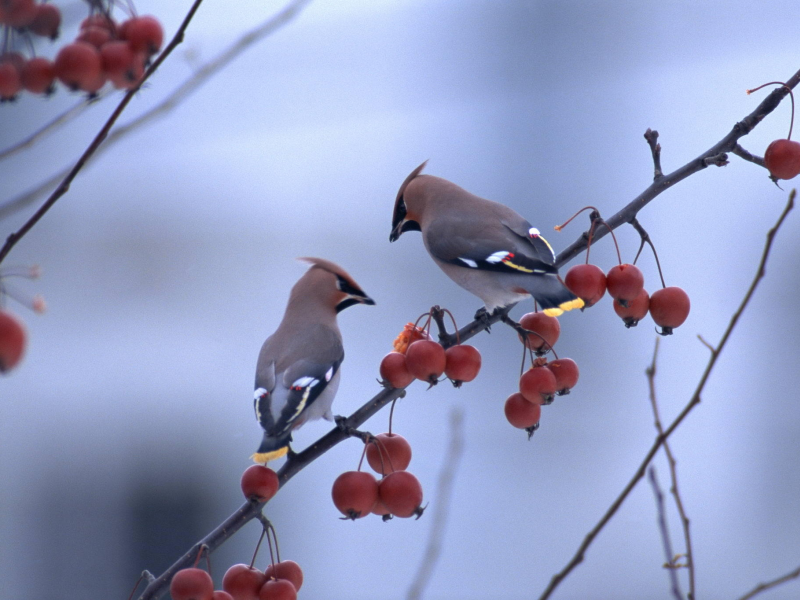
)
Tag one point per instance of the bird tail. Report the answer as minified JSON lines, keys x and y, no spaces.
{"x":271,"y":448}
{"x":553,"y":296}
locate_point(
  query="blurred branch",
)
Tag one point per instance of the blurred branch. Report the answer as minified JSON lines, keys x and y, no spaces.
{"x":761,"y":587}
{"x":444,"y":494}
{"x":694,"y":401}
{"x":673,"y":472}
{"x":63,"y":187}
{"x":662,"y":526}
{"x":713,"y":155}
{"x":51,"y":126}
{"x":199,"y":77}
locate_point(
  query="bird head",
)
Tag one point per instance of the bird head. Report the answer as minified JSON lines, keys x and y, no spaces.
{"x":331,"y":284}
{"x":406,"y":208}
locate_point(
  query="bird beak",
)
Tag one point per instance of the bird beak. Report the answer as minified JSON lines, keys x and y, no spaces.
{"x":352,"y":301}
{"x":396,"y":232}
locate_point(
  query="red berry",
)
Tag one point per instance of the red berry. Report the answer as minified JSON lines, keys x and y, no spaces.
{"x":426,"y":360}
{"x":462,"y":363}
{"x":286,"y":569}
{"x":10,"y":83}
{"x":221,"y":595}
{"x":521,"y":413}
{"x":401,"y":493}
{"x":94,"y":35}
{"x":588,"y":282}
{"x":782,"y":158}
{"x":131,"y":77}
{"x":546,"y":330}
{"x":379,"y":508}
{"x":100,"y":20}
{"x":566,"y":373}
{"x":17,"y":13}
{"x":37,"y":75}
{"x":78,"y":65}
{"x":669,"y":308}
{"x":243,"y":582}
{"x":636,"y":309}
{"x":47,"y":21}
{"x":260,"y":483}
{"x":624,"y":282}
{"x":277,"y":589}
{"x":538,"y":385}
{"x":145,"y":34}
{"x":354,"y":493}
{"x":394,"y":371}
{"x":191,"y":584}
{"x":12,"y":341}
{"x":389,"y":452}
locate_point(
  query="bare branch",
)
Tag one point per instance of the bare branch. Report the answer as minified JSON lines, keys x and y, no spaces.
{"x":444,"y":493}
{"x":673,"y":472}
{"x":726,"y":144}
{"x":655,"y":149}
{"x":742,"y":153}
{"x":662,"y":526}
{"x":694,"y":401}
{"x":761,"y":587}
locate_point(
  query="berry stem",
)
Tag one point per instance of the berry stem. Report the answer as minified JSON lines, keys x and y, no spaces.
{"x":260,"y":539}
{"x":791,"y":97}
{"x":646,"y":239}
{"x":363,"y":454}
{"x":613,"y":237}
{"x":138,"y":581}
{"x":391,"y":415}
{"x":453,"y":319}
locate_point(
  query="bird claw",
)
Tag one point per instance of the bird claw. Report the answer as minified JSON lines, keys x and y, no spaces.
{"x":483,"y":316}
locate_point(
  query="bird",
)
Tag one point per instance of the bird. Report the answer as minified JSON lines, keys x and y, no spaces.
{"x":298,"y":368}
{"x":484,"y":246}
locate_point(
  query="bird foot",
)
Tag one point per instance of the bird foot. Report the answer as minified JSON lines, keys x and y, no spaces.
{"x":482,"y":315}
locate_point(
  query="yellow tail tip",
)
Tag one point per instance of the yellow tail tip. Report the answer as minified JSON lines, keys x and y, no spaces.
{"x":264,"y":457}
{"x":564,"y":306}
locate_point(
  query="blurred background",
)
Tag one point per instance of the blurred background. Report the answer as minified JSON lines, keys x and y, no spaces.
{"x":124,"y":432}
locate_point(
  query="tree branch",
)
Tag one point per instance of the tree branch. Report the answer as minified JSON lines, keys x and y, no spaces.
{"x":761,"y":587}
{"x":714,"y":154}
{"x":662,"y":526}
{"x":694,"y":401}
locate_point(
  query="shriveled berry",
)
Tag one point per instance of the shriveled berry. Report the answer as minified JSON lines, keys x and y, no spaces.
{"x":462,"y":363}
{"x":354,"y":493}
{"x":624,"y":282}
{"x":259,"y":482}
{"x":636,"y":309}
{"x":401,"y":493}
{"x":426,"y":360}
{"x":277,"y":589}
{"x":389,"y":452}
{"x":12,"y":341}
{"x":521,"y":413}
{"x":286,"y":569}
{"x":243,"y":582}
{"x":566,"y":373}
{"x":191,"y":584}
{"x":588,"y":282}
{"x":394,"y":370}
{"x":538,"y":385}
{"x":410,"y":334}
{"x":782,"y":158}
{"x":546,"y":330}
{"x":669,"y":308}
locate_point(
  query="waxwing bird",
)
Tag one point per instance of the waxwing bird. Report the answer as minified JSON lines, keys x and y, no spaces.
{"x":298,"y":367}
{"x":485,"y":247}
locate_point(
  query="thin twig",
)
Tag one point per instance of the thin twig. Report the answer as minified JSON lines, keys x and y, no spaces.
{"x":63,"y":187}
{"x":673,"y":473}
{"x":655,"y":149}
{"x":441,"y":510}
{"x":742,"y":153}
{"x":199,"y":77}
{"x":726,"y":144}
{"x":662,"y":526}
{"x":694,"y":401}
{"x":771,"y":584}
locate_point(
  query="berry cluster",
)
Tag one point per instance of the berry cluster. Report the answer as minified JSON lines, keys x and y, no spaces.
{"x":280,"y":581}
{"x":543,"y":380}
{"x":417,"y":356}
{"x":398,"y":493}
{"x":104,"y":50}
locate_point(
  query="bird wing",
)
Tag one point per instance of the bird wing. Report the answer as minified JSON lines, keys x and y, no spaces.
{"x":489,"y":247}
{"x":300,"y":386}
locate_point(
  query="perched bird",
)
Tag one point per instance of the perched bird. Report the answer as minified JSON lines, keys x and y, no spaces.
{"x":298,"y":367}
{"x":485,"y":247}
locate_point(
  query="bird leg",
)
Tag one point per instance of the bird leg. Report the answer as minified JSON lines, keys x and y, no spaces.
{"x":482,"y":315}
